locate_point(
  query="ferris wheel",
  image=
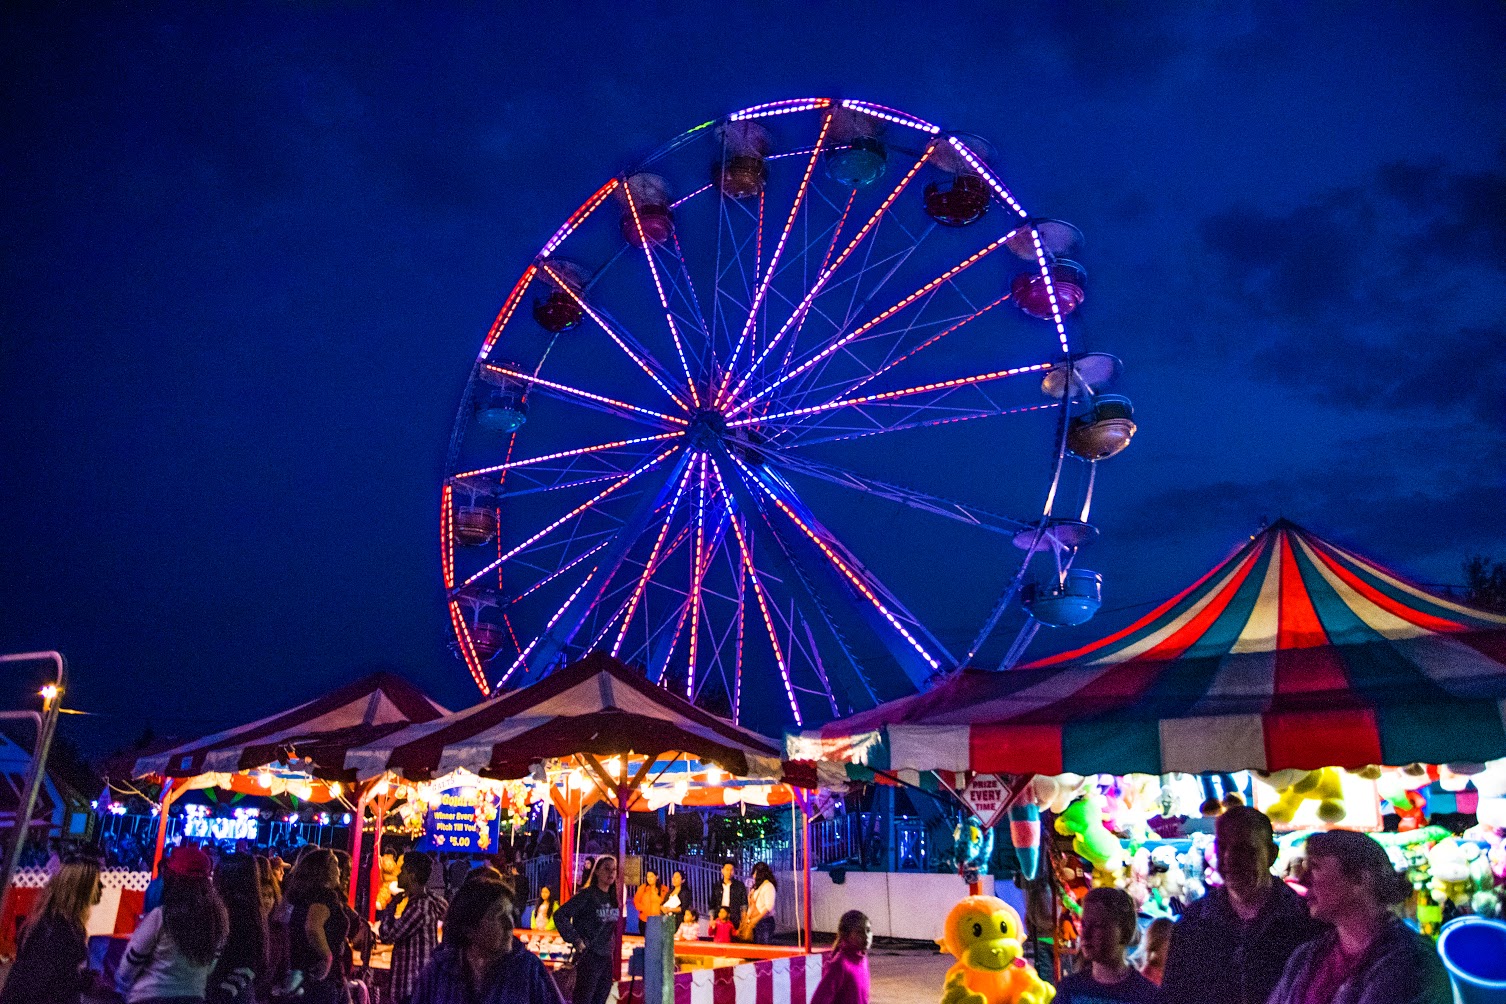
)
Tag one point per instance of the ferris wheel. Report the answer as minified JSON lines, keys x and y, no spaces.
{"x":758,"y":407}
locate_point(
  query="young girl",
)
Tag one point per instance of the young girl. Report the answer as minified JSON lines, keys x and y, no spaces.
{"x":721,"y":927}
{"x":1153,"y":952}
{"x":690,"y":927}
{"x":1108,"y":929}
{"x":845,"y":978}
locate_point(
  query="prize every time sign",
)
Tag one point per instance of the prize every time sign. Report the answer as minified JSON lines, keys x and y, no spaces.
{"x":466,"y":824}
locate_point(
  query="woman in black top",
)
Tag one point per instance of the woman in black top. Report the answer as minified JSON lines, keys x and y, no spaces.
{"x":588,"y":921}
{"x":318,"y":928}
{"x":242,"y":967}
{"x":49,"y":967}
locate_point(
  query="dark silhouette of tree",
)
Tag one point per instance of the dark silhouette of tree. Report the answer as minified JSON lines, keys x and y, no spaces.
{"x":1485,"y":583}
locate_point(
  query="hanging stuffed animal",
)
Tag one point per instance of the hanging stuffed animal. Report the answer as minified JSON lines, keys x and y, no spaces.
{"x":983,"y":934}
{"x":1083,"y":820}
{"x":974,"y":847}
{"x":1216,"y":801}
{"x":1322,"y":786}
{"x":1401,"y":791}
{"x":1053,"y":794}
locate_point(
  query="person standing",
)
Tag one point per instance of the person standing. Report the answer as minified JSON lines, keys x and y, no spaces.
{"x":241,"y":970}
{"x":174,"y":948}
{"x":318,"y":928}
{"x":1153,"y":951}
{"x":731,"y":895}
{"x":410,"y":923}
{"x":1369,"y":956}
{"x":589,"y":922}
{"x":649,"y":899}
{"x":542,"y":917}
{"x":677,"y":899}
{"x":480,"y":962}
{"x":845,"y":978}
{"x":1109,"y":928}
{"x":50,"y":963}
{"x":761,"y":903}
{"x":1231,"y":946}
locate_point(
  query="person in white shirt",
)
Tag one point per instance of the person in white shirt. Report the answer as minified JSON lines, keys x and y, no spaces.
{"x":690,"y":927}
{"x":761,"y":903}
{"x":732,"y":894}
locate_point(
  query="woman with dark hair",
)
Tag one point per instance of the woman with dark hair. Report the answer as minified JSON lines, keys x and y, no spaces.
{"x":49,"y":966}
{"x":1370,"y":956}
{"x":761,"y":898}
{"x":677,"y":898}
{"x":317,"y":927}
{"x":845,"y":977}
{"x":175,"y":946}
{"x":480,"y":962}
{"x":242,"y":966}
{"x":589,"y":922}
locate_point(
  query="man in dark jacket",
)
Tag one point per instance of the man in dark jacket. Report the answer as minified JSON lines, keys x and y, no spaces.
{"x":588,"y":921}
{"x":1231,"y":946}
{"x":731,"y":893}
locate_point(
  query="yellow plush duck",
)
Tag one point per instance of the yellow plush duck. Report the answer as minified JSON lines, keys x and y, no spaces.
{"x":983,"y":933}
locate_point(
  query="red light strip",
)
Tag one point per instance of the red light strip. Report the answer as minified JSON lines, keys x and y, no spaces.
{"x":514,"y":464}
{"x":578,"y":217}
{"x":508,"y":306}
{"x":858,"y":332}
{"x":446,"y":536}
{"x":649,"y":565}
{"x":571,"y":515}
{"x":825,"y":275}
{"x":566,"y":388}
{"x":852,"y":576}
{"x":613,"y":335}
{"x":653,"y":270}
{"x":768,"y":619}
{"x":771,"y":108}
{"x":468,"y":649}
{"x":890,"y":395}
{"x":892,"y":115}
{"x":768,"y":276}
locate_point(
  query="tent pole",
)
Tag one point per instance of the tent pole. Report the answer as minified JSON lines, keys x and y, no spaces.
{"x":383,"y":802}
{"x":356,"y":832}
{"x":171,"y":788}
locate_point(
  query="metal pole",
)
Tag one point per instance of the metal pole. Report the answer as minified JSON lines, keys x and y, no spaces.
{"x":52,"y":704}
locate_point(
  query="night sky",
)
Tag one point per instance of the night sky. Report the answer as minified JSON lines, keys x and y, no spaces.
{"x":248,"y":261}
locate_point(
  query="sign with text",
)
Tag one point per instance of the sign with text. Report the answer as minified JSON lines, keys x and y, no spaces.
{"x":463,"y":821}
{"x":987,"y":796}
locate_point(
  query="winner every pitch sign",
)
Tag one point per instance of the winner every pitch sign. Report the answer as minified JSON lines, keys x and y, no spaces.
{"x":987,"y":796}
{"x":459,"y":823}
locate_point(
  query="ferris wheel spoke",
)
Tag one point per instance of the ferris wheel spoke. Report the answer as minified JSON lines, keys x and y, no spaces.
{"x":876,"y":427}
{"x":575,"y":395}
{"x":914,"y":498}
{"x":584,"y":555}
{"x":564,"y":454}
{"x":669,"y":317}
{"x":651,"y":564}
{"x":578,"y":510}
{"x":630,"y":346}
{"x":548,"y":626}
{"x":849,"y":569}
{"x":797,"y":316}
{"x":768,"y":277}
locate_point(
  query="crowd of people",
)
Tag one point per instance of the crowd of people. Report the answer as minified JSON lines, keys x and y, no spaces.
{"x":248,"y":929}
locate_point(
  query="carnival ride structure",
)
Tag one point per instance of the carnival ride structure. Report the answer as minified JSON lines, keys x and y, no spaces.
{"x":711,"y":391}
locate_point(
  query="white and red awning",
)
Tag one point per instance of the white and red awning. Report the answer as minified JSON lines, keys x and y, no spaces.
{"x":596,"y":706}
{"x":318,"y":731}
{"x":1293,"y":652}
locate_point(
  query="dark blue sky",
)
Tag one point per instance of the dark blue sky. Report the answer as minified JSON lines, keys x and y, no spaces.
{"x":248,"y":260}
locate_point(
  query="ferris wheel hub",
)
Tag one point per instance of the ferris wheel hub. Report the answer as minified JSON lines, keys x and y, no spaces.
{"x":707,"y":428}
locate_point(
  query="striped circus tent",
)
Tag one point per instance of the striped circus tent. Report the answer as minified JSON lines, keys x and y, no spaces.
{"x":1292,"y":653}
{"x":595,"y":706}
{"x":319,"y":730}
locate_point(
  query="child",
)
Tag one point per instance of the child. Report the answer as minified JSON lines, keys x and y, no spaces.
{"x":1153,"y":953}
{"x":721,"y":927}
{"x":690,"y":927}
{"x":845,"y":977}
{"x":1108,"y":929}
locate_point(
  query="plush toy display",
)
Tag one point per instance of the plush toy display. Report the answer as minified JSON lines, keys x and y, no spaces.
{"x":1083,"y":820}
{"x":1322,"y":786}
{"x":974,"y":847}
{"x":983,"y":934}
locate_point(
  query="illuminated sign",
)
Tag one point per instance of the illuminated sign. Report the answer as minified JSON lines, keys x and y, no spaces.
{"x":199,"y":825}
{"x":463,"y":820}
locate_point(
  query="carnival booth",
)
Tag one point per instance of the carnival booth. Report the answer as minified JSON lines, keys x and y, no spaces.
{"x":598,"y":731}
{"x":1296,"y":673}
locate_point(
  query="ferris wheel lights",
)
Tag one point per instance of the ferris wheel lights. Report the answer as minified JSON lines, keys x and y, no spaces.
{"x":508,"y":307}
{"x":1044,"y":297}
{"x":892,"y":115}
{"x":578,"y":217}
{"x":771,"y":108}
{"x":984,"y":172}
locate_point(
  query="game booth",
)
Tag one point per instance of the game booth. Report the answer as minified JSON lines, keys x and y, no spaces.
{"x":1295,"y":675}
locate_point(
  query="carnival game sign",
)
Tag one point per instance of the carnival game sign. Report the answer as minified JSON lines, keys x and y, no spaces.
{"x":987,"y":796}
{"x":463,"y":820}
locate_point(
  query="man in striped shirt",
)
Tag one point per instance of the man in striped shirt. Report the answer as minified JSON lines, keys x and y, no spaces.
{"x":411,"y":924}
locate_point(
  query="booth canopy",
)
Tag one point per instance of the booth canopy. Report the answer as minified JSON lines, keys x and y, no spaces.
{"x":1291,"y":653}
{"x":319,"y":731}
{"x":596,"y":706}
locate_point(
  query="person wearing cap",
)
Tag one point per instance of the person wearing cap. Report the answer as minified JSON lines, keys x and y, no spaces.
{"x":1369,"y":956}
{"x":175,"y":946}
{"x":1231,"y":946}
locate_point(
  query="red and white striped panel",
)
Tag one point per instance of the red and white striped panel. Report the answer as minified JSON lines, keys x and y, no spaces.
{"x":767,"y":981}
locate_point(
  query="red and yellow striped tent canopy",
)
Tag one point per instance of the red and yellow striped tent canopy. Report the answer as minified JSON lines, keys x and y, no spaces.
{"x":1293,"y":652}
